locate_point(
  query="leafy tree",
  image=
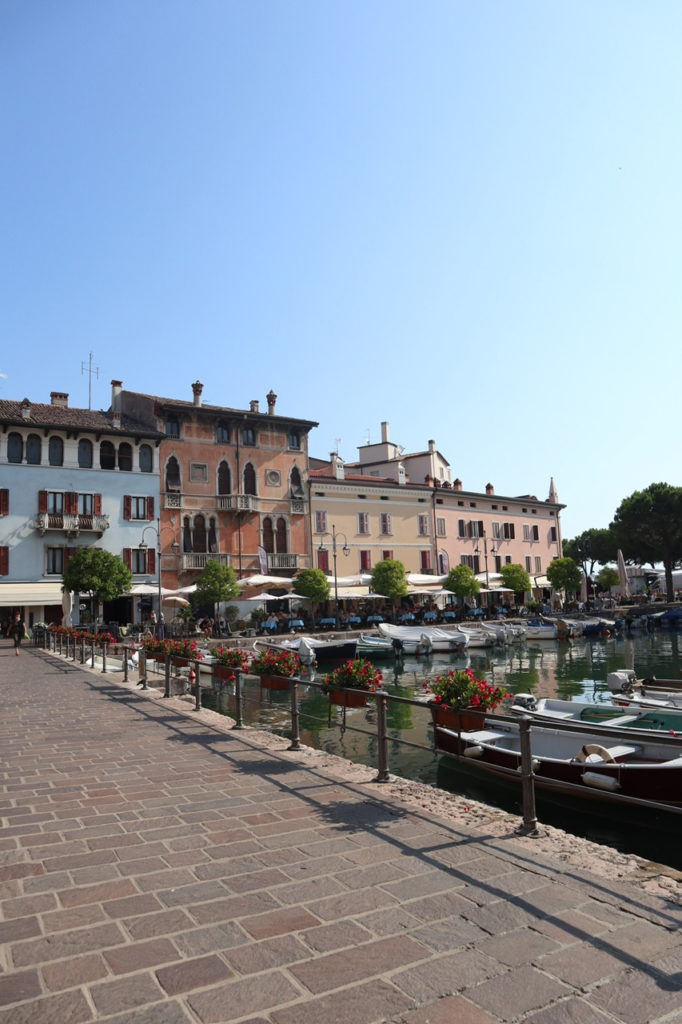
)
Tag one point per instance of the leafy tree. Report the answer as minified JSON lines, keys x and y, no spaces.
{"x":515,"y":577}
{"x":98,"y":573}
{"x":648,"y":527}
{"x":389,"y":578}
{"x":590,"y":547}
{"x":216,"y":584}
{"x":564,"y":574}
{"x":608,"y":578}
{"x":461,"y":581}
{"x":314,"y":585}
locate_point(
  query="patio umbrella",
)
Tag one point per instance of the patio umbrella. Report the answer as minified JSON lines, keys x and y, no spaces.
{"x":176,"y":600}
{"x":623,"y":575}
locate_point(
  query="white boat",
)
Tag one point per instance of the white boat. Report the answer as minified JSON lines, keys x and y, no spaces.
{"x":616,"y":716}
{"x":477,"y":636}
{"x":536,"y":630}
{"x":384,"y":647}
{"x":312,"y":649}
{"x":428,"y":636}
{"x":504,"y":632}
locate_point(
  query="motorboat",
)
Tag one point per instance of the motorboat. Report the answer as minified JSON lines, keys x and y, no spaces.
{"x":480,"y":636}
{"x":538,"y":630}
{"x":504,"y":632}
{"x":624,"y":682}
{"x":638,"y":769}
{"x":616,"y":716}
{"x":384,"y":647}
{"x":311,"y":649}
{"x":430,"y":637}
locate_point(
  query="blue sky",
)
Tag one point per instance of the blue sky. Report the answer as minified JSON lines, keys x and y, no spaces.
{"x":463,"y":218}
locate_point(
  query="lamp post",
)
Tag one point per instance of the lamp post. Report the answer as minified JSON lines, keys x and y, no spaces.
{"x":346,"y":550}
{"x":157,"y":530}
{"x":493,"y":551}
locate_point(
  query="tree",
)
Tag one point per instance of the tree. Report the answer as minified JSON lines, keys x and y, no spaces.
{"x":216,"y":584}
{"x":516,"y":578}
{"x":648,"y":527}
{"x":564,"y":574}
{"x":462,"y":582}
{"x":314,"y":585}
{"x":389,"y":579}
{"x":591,"y":546}
{"x":98,"y":573}
{"x":608,"y":578}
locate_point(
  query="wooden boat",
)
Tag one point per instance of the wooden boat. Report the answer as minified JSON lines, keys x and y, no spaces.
{"x":634,"y":769}
{"x":427,"y":636}
{"x":617,"y":716}
{"x":313,"y":649}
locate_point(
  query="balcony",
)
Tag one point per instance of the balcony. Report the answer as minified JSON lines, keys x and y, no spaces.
{"x":283,"y":561}
{"x":198,"y":559}
{"x":238,"y":502}
{"x":70,"y":524}
{"x":297,"y":507}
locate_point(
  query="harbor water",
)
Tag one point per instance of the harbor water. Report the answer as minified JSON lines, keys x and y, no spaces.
{"x":575,"y":669}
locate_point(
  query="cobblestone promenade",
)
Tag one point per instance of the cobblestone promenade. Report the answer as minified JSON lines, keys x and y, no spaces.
{"x":157,"y":868}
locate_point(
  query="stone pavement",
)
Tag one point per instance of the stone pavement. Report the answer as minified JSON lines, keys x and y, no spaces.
{"x":158,"y":868}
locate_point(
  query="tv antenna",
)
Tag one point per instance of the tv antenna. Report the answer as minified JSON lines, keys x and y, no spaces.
{"x":90,"y":372}
{"x":337,"y":442}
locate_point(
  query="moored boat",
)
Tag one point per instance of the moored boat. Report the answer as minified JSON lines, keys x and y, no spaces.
{"x":313,"y":649}
{"x":383,"y":647}
{"x":427,"y":636}
{"x":616,"y":716}
{"x":537,"y":630}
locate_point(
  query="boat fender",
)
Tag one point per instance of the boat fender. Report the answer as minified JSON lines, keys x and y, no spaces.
{"x":607,"y":633}
{"x":596,"y":750}
{"x":472,"y":751}
{"x":608,"y":782}
{"x":535,"y":764}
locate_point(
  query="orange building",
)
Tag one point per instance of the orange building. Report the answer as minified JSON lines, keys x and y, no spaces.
{"x":233,"y":485}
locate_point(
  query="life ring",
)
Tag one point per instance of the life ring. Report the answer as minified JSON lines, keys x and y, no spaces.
{"x":594,"y":748}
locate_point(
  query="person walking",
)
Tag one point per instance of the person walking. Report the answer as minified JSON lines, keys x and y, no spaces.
{"x":17,"y":630}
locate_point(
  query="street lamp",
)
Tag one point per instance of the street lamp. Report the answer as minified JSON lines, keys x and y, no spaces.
{"x":346,"y":551}
{"x":493,"y":551}
{"x":143,"y":546}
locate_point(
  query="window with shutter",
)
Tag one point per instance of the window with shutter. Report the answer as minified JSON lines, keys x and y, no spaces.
{"x":150,"y":508}
{"x":4,"y":501}
{"x":128,"y":557}
{"x":97,"y":504}
{"x":42,"y":501}
{"x":4,"y":561}
{"x":151,"y":560}
{"x":71,"y":501}
{"x":127,"y":506}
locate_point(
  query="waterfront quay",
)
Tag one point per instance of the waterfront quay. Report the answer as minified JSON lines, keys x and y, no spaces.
{"x":159,"y":867}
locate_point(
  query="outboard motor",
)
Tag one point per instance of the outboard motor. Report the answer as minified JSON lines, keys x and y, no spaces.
{"x":398,"y":647}
{"x":525,"y":700}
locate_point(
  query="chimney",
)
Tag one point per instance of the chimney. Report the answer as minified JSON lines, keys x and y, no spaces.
{"x":59,"y":398}
{"x":385,"y":437}
{"x":253,"y":405}
{"x":457,"y":486}
{"x":116,"y":419}
{"x":26,"y":409}
{"x":489,"y":489}
{"x":432,"y":446}
{"x":272,"y":399}
{"x":116,"y":388}
{"x":197,"y":388}
{"x":337,"y":466}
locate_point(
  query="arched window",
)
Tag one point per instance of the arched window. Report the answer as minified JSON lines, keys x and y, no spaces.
{"x":55,"y":450}
{"x":295,"y":483}
{"x":172,"y":474}
{"x":224,"y":480}
{"x":268,"y":536}
{"x":199,"y":534}
{"x":107,"y":455}
{"x":146,"y":458}
{"x":249,"y":479}
{"x":212,"y":537}
{"x":281,"y":538}
{"x":186,"y":535}
{"x":125,"y":457}
{"x":85,"y":453}
{"x":34,"y":450}
{"x":15,"y":448}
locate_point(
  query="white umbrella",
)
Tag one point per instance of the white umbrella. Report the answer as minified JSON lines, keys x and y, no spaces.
{"x":67,"y":607}
{"x":176,"y":600}
{"x":623,"y":575}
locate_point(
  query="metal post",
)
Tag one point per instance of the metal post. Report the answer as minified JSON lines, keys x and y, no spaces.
{"x":167,"y":686}
{"x":82,"y":650}
{"x":125,"y":664}
{"x":92,"y":653}
{"x":197,"y":683}
{"x":238,"y":713}
{"x":295,"y":716}
{"x":530,"y":822}
{"x":382,"y":737}
{"x":104,"y":657}
{"x":142,"y":668}
{"x":59,"y":648}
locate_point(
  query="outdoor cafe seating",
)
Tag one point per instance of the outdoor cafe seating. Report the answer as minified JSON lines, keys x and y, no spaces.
{"x":326,"y":623}
{"x":430,"y":616}
{"x":372,"y":619}
{"x":296,"y":625}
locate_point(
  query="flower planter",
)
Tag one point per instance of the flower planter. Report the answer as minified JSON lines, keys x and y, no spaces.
{"x":464,"y":720}
{"x":224,"y":672}
{"x":275,"y":682}
{"x":180,"y":662}
{"x":348,"y":698}
{"x":158,"y":656}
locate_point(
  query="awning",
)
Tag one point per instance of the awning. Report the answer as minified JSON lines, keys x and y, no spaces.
{"x":30,"y":593}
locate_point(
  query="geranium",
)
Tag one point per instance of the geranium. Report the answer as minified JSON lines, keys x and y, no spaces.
{"x":183,"y":649}
{"x":459,"y":688}
{"x":233,"y":657}
{"x":270,"y":662}
{"x":356,"y":674}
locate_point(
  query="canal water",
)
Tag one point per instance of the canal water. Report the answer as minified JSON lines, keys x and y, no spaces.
{"x":568,"y":669}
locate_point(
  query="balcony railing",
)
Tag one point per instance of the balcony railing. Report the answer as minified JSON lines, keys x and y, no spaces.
{"x":198,"y":559}
{"x":71,"y":524}
{"x":238,"y":502}
{"x":283,"y":561}
{"x":297,"y":507}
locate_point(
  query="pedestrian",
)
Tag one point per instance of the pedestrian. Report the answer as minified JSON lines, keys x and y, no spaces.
{"x":17,"y":630}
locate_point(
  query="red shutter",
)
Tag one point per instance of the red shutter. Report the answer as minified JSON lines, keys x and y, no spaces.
{"x":151,"y":560}
{"x":69,"y":553}
{"x":71,"y":503}
{"x":97,"y":504}
{"x":4,"y":561}
{"x":42,"y":501}
{"x":150,"y":508}
{"x":128,"y":557}
{"x":481,"y":531}
{"x":127,"y":506}
{"x":4,"y":502}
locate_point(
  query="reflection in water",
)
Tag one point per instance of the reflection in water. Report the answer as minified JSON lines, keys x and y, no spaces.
{"x":548,"y":669}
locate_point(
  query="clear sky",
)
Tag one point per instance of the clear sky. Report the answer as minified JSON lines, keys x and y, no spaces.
{"x":461,"y":217}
